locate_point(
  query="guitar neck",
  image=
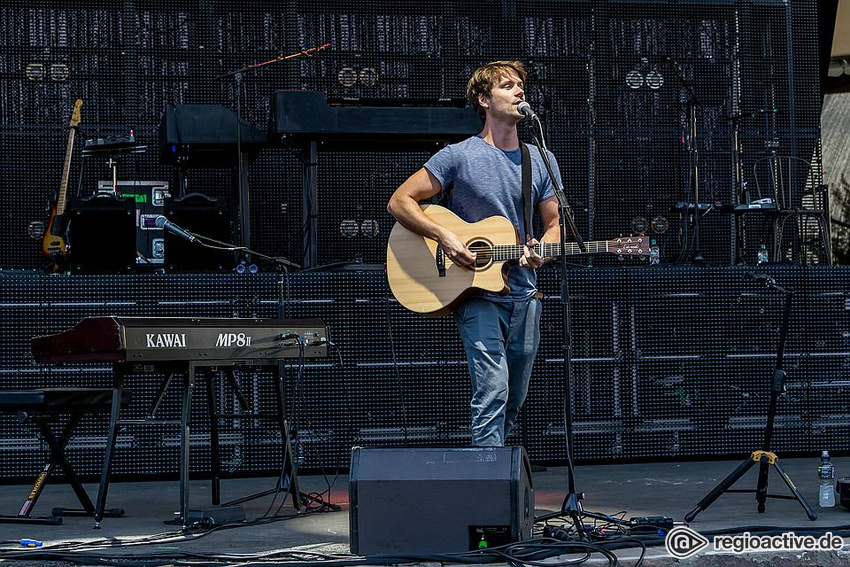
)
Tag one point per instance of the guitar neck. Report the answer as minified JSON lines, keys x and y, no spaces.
{"x":550,"y":249}
{"x":62,"y":196}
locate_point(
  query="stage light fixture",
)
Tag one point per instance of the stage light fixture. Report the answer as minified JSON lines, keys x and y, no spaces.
{"x":660,"y":225}
{"x":59,"y":72}
{"x":369,"y":228}
{"x":35,"y":230}
{"x":34,"y":72}
{"x":347,"y":76}
{"x":634,"y":79}
{"x":348,"y":228}
{"x":639,"y":225}
{"x":368,"y":76}
{"x":654,"y":79}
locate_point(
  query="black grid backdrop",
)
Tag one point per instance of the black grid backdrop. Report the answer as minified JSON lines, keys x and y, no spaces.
{"x":649,"y":380}
{"x":668,"y":362}
{"x":620,"y":143}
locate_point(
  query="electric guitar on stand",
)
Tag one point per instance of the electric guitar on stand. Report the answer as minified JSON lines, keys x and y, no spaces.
{"x":423,"y":279}
{"x":53,"y":243}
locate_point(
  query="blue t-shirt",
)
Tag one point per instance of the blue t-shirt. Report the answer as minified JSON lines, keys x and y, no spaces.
{"x":487,"y":181}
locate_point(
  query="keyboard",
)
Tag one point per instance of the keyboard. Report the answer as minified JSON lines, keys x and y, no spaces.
{"x":177,"y":339}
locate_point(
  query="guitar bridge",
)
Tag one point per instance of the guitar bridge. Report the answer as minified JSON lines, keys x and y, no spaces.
{"x":441,"y":262}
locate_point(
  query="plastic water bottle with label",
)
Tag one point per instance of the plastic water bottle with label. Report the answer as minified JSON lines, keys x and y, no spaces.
{"x":762,"y":257}
{"x":826,"y":475}
{"x":654,"y":253}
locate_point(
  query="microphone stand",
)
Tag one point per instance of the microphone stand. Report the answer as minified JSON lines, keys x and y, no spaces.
{"x":244,"y":206}
{"x":200,"y":239}
{"x":690,"y":243}
{"x":242,"y":190}
{"x":742,"y":193}
{"x":571,"y":506}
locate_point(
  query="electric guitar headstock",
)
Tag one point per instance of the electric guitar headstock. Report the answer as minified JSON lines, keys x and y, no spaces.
{"x":75,"y":115}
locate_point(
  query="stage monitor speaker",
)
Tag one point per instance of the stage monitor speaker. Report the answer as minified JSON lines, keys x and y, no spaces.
{"x":102,"y":235}
{"x":422,"y":501}
{"x":203,"y":216}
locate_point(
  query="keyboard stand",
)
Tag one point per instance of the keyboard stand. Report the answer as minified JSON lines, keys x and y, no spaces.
{"x":121,"y":370}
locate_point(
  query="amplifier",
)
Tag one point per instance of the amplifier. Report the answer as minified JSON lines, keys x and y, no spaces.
{"x":102,"y":235}
{"x":421,"y":501}
{"x":149,"y":198}
{"x":203,"y":216}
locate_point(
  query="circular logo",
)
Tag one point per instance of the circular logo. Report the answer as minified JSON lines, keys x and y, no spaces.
{"x":682,"y":542}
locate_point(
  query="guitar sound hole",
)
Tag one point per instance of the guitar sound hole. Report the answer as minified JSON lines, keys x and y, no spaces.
{"x":483,"y":252}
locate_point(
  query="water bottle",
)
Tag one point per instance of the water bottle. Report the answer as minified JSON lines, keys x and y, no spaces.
{"x":654,"y":253}
{"x":762,"y":254}
{"x":826,"y":474}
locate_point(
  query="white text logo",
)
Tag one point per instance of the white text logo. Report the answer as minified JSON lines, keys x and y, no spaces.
{"x":165,"y":340}
{"x":233,"y":339}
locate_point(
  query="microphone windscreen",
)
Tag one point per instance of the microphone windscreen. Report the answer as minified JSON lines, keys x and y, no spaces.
{"x":525,"y":108}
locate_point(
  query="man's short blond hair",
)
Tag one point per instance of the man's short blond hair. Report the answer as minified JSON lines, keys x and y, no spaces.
{"x":483,"y":79}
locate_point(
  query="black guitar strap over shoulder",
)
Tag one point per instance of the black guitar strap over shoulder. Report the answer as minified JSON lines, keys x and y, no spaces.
{"x":526,"y":191}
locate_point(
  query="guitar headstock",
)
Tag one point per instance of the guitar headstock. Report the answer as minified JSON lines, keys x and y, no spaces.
{"x":631,"y":247}
{"x":75,"y":116}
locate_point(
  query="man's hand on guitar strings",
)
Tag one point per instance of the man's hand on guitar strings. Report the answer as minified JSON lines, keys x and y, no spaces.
{"x":455,"y":249}
{"x":530,"y":258}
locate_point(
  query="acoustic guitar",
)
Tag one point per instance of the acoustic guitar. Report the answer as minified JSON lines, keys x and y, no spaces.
{"x":424,"y":280}
{"x":53,"y":243}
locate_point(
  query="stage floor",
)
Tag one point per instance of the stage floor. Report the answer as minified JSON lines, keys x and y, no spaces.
{"x":655,"y":489}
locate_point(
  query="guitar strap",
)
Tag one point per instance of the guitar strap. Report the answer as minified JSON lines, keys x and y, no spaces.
{"x":526,"y":190}
{"x":445,"y":196}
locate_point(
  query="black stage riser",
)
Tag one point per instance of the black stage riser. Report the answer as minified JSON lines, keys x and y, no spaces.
{"x":669,"y":362}
{"x":609,"y":79}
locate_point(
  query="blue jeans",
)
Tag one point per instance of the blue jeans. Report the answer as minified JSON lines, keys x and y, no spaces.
{"x":501,"y":341}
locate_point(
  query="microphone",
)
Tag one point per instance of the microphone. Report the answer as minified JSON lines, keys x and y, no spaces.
{"x":162,"y":222}
{"x":761,"y":277}
{"x":525,"y":109}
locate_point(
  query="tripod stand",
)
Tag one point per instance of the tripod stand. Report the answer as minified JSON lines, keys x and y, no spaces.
{"x":764,"y":457}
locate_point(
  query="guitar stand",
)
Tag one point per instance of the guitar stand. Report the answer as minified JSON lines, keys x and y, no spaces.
{"x":764,"y":457}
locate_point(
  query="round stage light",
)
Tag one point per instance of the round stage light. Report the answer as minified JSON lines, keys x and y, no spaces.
{"x":34,"y":72}
{"x":634,"y":79}
{"x":348,"y":228}
{"x":654,"y":80}
{"x":59,"y":72}
{"x":660,"y":225}
{"x":368,"y":76}
{"x":347,"y":76}
{"x":369,"y":228}
{"x":640,"y":225}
